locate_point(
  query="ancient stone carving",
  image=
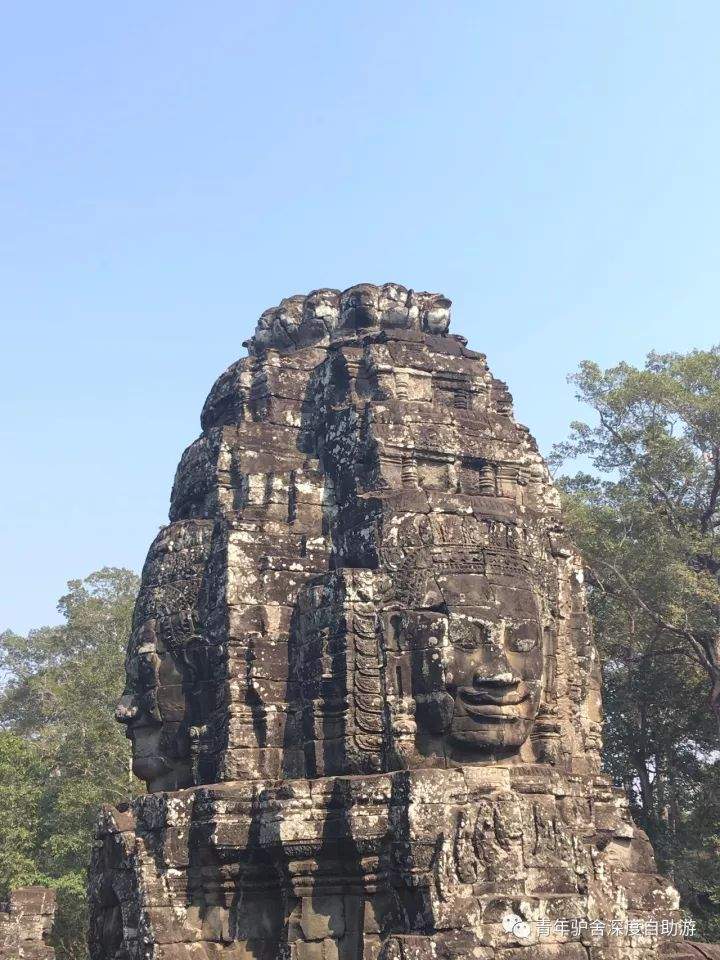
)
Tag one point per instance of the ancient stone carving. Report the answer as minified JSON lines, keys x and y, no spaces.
{"x":361,"y":681}
{"x":163,"y":704}
{"x":25,"y":924}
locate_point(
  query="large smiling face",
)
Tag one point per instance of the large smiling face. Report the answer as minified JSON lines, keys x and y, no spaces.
{"x":494,"y":669}
{"x":477,"y":664}
{"x":152,"y":708}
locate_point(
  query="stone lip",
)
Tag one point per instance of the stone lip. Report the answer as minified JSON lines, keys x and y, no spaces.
{"x":325,"y":315}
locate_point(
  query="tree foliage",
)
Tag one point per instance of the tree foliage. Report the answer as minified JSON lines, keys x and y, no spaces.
{"x":62,"y":755}
{"x":646,"y":520}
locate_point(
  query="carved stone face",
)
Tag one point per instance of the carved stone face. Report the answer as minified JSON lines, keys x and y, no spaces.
{"x":495,"y":669}
{"x":153,"y":709}
{"x":477,"y":663}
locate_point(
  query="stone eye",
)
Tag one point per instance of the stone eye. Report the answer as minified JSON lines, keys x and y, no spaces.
{"x":469,"y":634}
{"x":522,"y":637}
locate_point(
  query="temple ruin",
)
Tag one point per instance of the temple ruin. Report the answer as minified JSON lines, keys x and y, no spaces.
{"x":361,"y":684}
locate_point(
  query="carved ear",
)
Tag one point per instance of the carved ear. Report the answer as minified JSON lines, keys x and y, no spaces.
{"x":549,"y":640}
{"x":435,"y":712}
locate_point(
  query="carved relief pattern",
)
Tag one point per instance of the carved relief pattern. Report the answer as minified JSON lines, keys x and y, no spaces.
{"x":361,"y":685}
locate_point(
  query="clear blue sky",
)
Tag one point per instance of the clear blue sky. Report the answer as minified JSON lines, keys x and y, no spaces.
{"x":170,"y":169}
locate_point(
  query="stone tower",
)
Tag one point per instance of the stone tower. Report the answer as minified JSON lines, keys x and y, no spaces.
{"x":361,"y":683}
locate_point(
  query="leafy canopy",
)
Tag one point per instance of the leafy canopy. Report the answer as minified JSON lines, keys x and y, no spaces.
{"x":62,"y":755}
{"x":645,"y":516}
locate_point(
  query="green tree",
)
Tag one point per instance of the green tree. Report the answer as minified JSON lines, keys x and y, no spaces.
{"x":22,"y":778}
{"x":62,"y":755}
{"x":646,"y":521}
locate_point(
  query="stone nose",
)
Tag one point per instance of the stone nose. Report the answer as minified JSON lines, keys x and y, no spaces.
{"x":491,"y":669}
{"x":126,"y":710}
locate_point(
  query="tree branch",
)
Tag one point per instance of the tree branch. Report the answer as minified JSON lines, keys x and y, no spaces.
{"x":709,"y":512}
{"x":655,"y":484}
{"x":688,"y":635}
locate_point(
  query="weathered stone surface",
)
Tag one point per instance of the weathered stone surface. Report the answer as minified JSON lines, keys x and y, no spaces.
{"x":25,"y":924}
{"x":361,"y":681}
{"x":690,"y":951}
